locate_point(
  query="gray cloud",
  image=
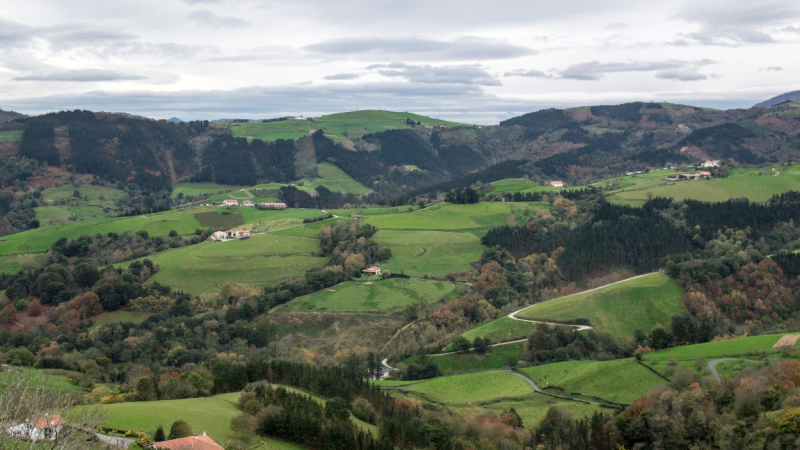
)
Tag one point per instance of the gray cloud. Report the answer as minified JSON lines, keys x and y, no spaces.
{"x":81,"y":76}
{"x":727,"y":22}
{"x":13,"y":34}
{"x":460,"y":74}
{"x":342,"y":76}
{"x":210,"y":19}
{"x":533,"y":73}
{"x":668,"y":69}
{"x":419,"y":49}
{"x":198,"y":2}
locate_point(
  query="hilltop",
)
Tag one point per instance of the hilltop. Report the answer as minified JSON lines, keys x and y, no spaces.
{"x":793,"y":96}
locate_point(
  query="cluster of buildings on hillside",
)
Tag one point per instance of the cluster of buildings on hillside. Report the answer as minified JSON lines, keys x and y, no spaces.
{"x":250,"y":203}
{"x":230,"y":234}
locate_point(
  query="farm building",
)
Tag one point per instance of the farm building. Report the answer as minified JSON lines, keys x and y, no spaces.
{"x":48,"y":202}
{"x":710,"y":163}
{"x":238,"y":234}
{"x":356,"y":217}
{"x":272,"y":205}
{"x":230,"y":202}
{"x":189,"y":443}
{"x":557,"y":183}
{"x":688,"y":176}
{"x":219,"y":236}
{"x":374,"y":270}
{"x":44,"y":429}
{"x":248,"y":203}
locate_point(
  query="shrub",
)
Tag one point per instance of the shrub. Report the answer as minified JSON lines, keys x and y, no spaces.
{"x":364,"y":410}
{"x":180,"y":429}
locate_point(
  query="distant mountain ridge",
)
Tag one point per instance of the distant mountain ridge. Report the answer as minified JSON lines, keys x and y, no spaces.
{"x":793,"y":96}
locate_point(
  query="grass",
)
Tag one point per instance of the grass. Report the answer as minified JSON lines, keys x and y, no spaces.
{"x":11,"y":136}
{"x":520,"y":185}
{"x":619,"y":309}
{"x":620,"y":381}
{"x":497,"y":358}
{"x":335,"y":179}
{"x":432,"y":253}
{"x":210,"y":414}
{"x":194,"y":189}
{"x":381,"y":295}
{"x":687,"y":355}
{"x":473,"y":388}
{"x":15,"y":263}
{"x":260,"y":261}
{"x":533,"y":410}
{"x":94,"y":202}
{"x":342,"y":125}
{"x":54,"y":379}
{"x":121,"y":317}
{"x":219,"y":221}
{"x":502,"y":329}
{"x":745,"y":182}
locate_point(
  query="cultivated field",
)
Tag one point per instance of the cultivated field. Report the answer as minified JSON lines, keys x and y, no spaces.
{"x":619,"y":309}
{"x":379,"y":295}
{"x":342,"y":125}
{"x":756,"y":184}
{"x":621,"y":381}
{"x":473,"y":388}
{"x":262,"y":260}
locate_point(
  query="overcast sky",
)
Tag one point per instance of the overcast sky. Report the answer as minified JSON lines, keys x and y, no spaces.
{"x":475,"y":61}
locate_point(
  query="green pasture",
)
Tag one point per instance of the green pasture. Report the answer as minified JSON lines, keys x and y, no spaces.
{"x":371,"y":295}
{"x":497,"y":358}
{"x":372,"y":211}
{"x":520,"y":185}
{"x":335,"y":179}
{"x":93,"y":202}
{"x":757,"y":184}
{"x":15,"y":263}
{"x":618,"y":309}
{"x":745,"y":347}
{"x":620,"y":381}
{"x":56,"y":380}
{"x":533,"y":410}
{"x":260,"y":261}
{"x":473,"y":388}
{"x":210,"y":414}
{"x":432,"y":253}
{"x":195,"y":189}
{"x":11,"y":136}
{"x":342,"y":125}
{"x":502,"y":329}
{"x":476,"y":217}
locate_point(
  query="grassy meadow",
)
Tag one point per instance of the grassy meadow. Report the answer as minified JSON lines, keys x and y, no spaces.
{"x":502,"y":329}
{"x":619,"y":309}
{"x":335,"y":179}
{"x":342,"y":125}
{"x":473,"y":388}
{"x":432,"y":253}
{"x":10,"y":136}
{"x":262,"y":260}
{"x":194,"y":189}
{"x":756,"y":184}
{"x":93,"y":202}
{"x":497,"y":358}
{"x":520,"y":185}
{"x":379,"y":295}
{"x":109,"y":318}
{"x":620,"y":381}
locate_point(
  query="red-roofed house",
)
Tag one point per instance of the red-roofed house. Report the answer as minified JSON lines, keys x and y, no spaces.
{"x":190,"y":443}
{"x":557,"y":183}
{"x":374,"y":270}
{"x":241,"y":234}
{"x":248,"y":203}
{"x":219,"y":236}
{"x":711,"y":163}
{"x":230,"y":202}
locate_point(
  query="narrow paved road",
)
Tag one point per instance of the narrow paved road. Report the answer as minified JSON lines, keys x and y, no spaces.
{"x":116,"y":442}
{"x":712,"y":366}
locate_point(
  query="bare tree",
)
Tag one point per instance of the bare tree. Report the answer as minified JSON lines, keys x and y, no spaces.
{"x":28,"y":405}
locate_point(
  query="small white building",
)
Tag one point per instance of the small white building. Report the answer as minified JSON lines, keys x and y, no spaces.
{"x":557,"y":183}
{"x":44,"y":429}
{"x":248,"y":203}
{"x":710,"y":164}
{"x":238,"y":234}
{"x":219,"y":236}
{"x":374,"y":270}
{"x":230,"y":202}
{"x":272,"y":205}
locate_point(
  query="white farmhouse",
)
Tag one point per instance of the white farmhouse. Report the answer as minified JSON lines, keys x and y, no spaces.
{"x":44,"y":429}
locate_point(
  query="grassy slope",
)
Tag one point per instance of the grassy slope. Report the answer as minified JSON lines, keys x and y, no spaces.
{"x":362,"y":296}
{"x":502,"y":329}
{"x":335,"y":179}
{"x":619,"y":309}
{"x":520,"y":185}
{"x":497,"y":358}
{"x":11,"y":136}
{"x":475,"y":388}
{"x":342,"y":125}
{"x":533,"y":411}
{"x":15,"y":263}
{"x":621,"y":381}
{"x":741,"y":183}
{"x":90,"y":208}
{"x":121,"y":317}
{"x":432,"y":253}
{"x":259,"y":261}
{"x":192,"y":189}
{"x":211,"y":414}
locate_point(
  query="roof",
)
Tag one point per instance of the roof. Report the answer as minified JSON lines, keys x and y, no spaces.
{"x":53,"y":420}
{"x":372,"y":269}
{"x":190,"y":443}
{"x":219,"y":233}
{"x":230,"y":200}
{"x":272,"y":204}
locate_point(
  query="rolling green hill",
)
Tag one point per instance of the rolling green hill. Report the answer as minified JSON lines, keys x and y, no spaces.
{"x":756,"y":184}
{"x":618,"y":309}
{"x":473,"y":388}
{"x":78,"y":203}
{"x":342,"y":125}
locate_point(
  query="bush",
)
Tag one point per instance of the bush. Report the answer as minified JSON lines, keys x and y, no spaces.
{"x":364,"y":410}
{"x":180,"y":429}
